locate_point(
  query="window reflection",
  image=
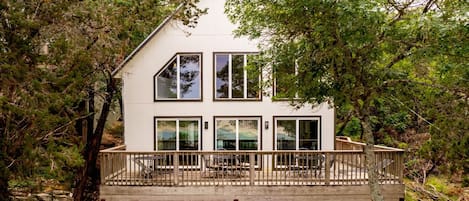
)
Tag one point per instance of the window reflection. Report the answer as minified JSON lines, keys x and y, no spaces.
{"x":238,"y":134}
{"x":180,"y":79}
{"x":226,"y":134}
{"x":308,"y":134}
{"x":248,"y":133}
{"x":286,"y":134}
{"x":166,"y":133}
{"x":188,"y":135}
{"x":222,"y":76}
{"x":167,"y":81}
{"x":236,"y":77}
{"x":297,"y":133}
{"x":190,"y":76}
{"x":187,"y":131}
{"x":253,"y":72}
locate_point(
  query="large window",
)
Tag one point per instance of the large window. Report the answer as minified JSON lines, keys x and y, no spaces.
{"x":236,"y":77}
{"x":241,"y":133}
{"x":297,"y":133}
{"x":177,"y":133}
{"x":180,"y":79}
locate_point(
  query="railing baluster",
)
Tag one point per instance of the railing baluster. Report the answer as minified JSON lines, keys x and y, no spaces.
{"x":184,"y":168}
{"x":327,"y":170}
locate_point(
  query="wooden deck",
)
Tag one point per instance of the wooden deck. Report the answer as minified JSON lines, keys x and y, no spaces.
{"x":249,"y":175}
{"x":347,"y":176}
{"x":254,"y":168}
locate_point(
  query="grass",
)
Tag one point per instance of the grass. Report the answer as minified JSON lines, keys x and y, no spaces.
{"x":437,"y":185}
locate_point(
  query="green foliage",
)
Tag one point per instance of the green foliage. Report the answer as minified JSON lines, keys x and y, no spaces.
{"x":116,"y":130}
{"x":53,"y":55}
{"x":399,"y":68}
{"x":353,"y":128}
{"x":465,"y":181}
{"x":438,"y":184}
{"x":410,"y":196}
{"x":403,"y":145}
{"x":22,"y":184}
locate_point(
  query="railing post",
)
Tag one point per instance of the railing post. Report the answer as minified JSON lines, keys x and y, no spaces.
{"x":400,"y":156}
{"x":251,"y":168}
{"x":176,"y":167}
{"x":101,"y":167}
{"x":327,"y":170}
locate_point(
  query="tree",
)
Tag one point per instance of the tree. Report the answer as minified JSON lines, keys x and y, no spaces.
{"x":107,"y":31}
{"x":56,"y":56}
{"x":353,"y":53}
{"x":36,"y":103}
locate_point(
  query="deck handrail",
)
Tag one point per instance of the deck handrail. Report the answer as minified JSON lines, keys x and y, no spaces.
{"x":341,"y":141}
{"x":118,"y":148}
{"x":244,"y":151}
{"x":333,"y":167}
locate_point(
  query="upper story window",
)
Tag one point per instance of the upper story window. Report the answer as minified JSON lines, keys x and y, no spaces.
{"x":236,"y":77}
{"x":284,"y":81}
{"x":180,"y":79}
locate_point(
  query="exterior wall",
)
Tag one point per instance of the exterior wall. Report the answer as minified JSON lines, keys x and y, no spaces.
{"x":393,"y":192}
{"x":213,"y":34}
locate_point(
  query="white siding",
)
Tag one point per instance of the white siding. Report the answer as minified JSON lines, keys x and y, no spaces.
{"x":213,"y":34}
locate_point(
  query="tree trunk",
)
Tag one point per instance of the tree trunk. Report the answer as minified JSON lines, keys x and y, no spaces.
{"x":88,"y":176}
{"x":373,"y":182}
{"x":4,"y":174}
{"x":90,"y":119}
{"x":4,"y":178}
{"x":79,"y":124}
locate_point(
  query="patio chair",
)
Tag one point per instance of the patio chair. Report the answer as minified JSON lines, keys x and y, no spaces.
{"x":222,"y":164}
{"x":147,"y":165}
{"x":306,"y":164}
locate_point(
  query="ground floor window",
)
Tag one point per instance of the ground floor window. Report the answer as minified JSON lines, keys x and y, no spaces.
{"x":177,"y":133}
{"x":297,"y":133}
{"x":237,"y":133}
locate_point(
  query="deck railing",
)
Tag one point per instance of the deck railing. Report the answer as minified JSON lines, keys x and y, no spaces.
{"x":206,"y":168}
{"x":345,"y":143}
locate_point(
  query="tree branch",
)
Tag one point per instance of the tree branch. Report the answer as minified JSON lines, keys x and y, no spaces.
{"x":63,"y":126}
{"x":399,"y":57}
{"x":457,"y":92}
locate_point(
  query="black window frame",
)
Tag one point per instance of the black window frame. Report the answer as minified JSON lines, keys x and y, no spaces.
{"x":297,"y":119}
{"x":245,"y":96}
{"x":155,"y":93}
{"x":237,"y":118}
{"x":177,"y":118}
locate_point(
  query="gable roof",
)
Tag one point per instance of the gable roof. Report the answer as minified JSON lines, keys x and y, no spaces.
{"x":144,"y":42}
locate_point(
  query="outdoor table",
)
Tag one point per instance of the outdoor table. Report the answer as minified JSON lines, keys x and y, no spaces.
{"x":148,"y":164}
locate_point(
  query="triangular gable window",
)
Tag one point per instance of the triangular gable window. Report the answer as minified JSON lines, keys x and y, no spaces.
{"x":180,"y":79}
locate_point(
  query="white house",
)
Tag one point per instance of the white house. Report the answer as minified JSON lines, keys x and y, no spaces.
{"x":187,"y":89}
{"x":188,"y":94}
